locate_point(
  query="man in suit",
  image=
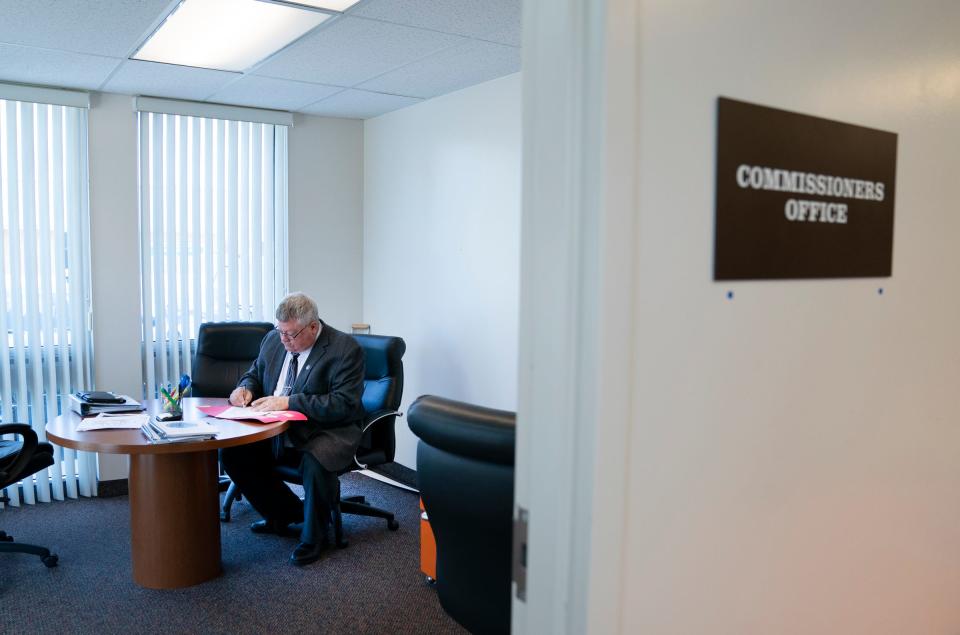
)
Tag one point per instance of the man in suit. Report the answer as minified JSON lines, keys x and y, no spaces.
{"x":307,"y":366}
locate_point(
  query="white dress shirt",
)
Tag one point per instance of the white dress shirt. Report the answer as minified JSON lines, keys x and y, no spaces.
{"x":301,"y":361}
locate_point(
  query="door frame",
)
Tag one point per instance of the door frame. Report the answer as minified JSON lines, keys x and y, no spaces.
{"x":577,"y":309}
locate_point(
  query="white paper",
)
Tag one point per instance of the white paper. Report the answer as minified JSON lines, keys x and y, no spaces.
{"x":113,"y":421}
{"x":246,"y":413}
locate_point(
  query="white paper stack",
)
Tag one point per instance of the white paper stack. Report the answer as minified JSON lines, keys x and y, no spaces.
{"x":115,"y":421}
{"x":174,"y":431}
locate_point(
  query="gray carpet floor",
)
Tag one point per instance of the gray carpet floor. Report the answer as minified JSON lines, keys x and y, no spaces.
{"x":372,"y":586}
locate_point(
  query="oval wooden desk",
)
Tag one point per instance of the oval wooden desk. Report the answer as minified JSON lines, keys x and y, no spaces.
{"x":174,"y":494}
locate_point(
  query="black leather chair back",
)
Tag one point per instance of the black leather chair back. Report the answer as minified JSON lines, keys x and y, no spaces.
{"x":382,"y":390}
{"x":19,"y":459}
{"x":465,"y":464}
{"x":225,"y":351}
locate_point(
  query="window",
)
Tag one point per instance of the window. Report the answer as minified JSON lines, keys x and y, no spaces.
{"x":212,"y":229}
{"x":45,"y":281}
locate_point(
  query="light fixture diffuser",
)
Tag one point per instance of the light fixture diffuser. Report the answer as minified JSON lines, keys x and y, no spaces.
{"x":227,"y":35}
{"x":330,"y":5}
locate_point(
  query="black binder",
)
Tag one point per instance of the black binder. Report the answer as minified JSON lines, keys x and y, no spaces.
{"x":99,"y":397}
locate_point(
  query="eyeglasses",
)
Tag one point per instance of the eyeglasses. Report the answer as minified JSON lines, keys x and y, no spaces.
{"x":289,"y":336}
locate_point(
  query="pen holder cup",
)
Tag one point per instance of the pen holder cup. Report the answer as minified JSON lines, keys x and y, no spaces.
{"x":172,"y":406}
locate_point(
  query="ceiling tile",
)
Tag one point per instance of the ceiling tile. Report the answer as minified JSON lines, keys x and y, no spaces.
{"x":351,"y":50}
{"x":103,"y":27}
{"x":470,"y":63}
{"x":166,"y":80}
{"x":399,"y":50}
{"x":494,"y":20}
{"x":54,"y":68}
{"x":358,"y":104}
{"x":266,"y":92}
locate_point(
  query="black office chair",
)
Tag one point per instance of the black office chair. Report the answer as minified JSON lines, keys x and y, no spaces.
{"x":18,"y":460}
{"x":382,"y":392}
{"x":225,"y":351}
{"x":465,"y":462}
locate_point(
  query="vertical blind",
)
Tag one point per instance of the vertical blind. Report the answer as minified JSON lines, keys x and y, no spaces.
{"x":213,"y":210}
{"x":45,"y":283}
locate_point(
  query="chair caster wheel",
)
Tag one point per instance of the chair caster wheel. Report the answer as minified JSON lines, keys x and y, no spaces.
{"x":431,"y":581}
{"x":393,"y":525}
{"x":50,"y":561}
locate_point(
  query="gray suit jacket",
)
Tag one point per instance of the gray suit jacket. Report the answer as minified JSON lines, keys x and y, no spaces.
{"x":328,"y":389}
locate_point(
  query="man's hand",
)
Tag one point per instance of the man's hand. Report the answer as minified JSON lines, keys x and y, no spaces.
{"x":240,"y":397}
{"x":268,"y":404}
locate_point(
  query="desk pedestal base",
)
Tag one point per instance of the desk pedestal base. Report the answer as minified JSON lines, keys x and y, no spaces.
{"x":174,"y":520}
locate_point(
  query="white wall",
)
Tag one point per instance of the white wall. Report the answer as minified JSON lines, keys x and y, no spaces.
{"x":794,"y":456}
{"x":441,"y":244}
{"x":326,"y":215}
{"x":325,"y":227}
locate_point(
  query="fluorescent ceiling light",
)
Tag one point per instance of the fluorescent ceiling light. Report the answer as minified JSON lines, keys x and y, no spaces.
{"x":228,"y":35}
{"x":332,"y":5}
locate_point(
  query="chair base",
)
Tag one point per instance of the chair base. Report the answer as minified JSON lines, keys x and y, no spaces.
{"x":350,"y":505}
{"x":8,"y":546}
{"x":337,"y":513}
{"x":358,"y":505}
{"x":233,"y":494}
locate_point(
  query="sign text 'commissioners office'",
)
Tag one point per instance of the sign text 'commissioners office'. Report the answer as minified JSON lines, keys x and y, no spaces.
{"x":801,"y":197}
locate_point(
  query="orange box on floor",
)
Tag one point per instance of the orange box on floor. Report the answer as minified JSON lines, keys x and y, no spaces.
{"x":428,"y":546}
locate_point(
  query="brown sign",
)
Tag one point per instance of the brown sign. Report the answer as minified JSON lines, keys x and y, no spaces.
{"x":801,"y":197}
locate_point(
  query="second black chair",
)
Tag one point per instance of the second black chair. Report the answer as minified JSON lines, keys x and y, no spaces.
{"x":225,"y":351}
{"x":19,"y":460}
{"x":465,"y":464}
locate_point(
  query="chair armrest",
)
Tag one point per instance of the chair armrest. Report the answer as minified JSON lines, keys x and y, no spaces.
{"x":375,"y":416}
{"x":30,"y":441}
{"x":378,"y":415}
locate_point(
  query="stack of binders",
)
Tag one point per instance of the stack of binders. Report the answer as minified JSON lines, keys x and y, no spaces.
{"x":87,"y":404}
{"x":177,"y":431}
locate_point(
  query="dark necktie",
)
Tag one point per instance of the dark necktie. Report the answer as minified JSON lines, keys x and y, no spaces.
{"x":291,"y":374}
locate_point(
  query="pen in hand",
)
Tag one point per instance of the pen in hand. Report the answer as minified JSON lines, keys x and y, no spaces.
{"x":241,"y":397}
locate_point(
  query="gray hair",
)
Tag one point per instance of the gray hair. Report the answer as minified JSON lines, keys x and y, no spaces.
{"x":297,"y":306}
